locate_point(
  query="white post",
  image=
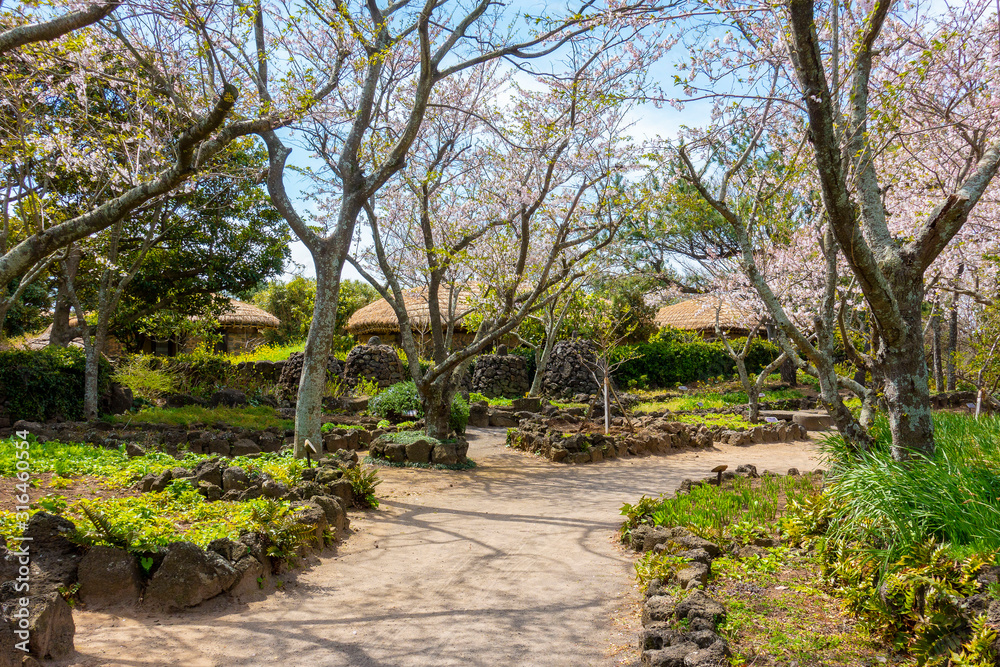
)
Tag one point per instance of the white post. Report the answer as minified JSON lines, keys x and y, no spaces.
{"x":607,"y":406}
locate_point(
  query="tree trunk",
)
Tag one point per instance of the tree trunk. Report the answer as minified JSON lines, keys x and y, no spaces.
{"x":868,"y":409}
{"x":753,"y":402}
{"x":61,"y":333}
{"x":936,"y":349}
{"x":952,"y":342}
{"x":788,"y":373}
{"x":787,"y":368}
{"x":437,"y":398}
{"x":902,"y":367}
{"x":541,"y":364}
{"x":312,"y":383}
{"x":91,"y":374}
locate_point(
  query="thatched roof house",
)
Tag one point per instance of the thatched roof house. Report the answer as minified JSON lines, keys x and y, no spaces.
{"x":698,"y":314}
{"x":242,"y":314}
{"x":242,"y":326}
{"x":379,"y":319}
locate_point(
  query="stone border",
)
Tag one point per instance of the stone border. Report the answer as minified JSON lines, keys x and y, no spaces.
{"x":554,"y":439}
{"x":663,"y":643}
{"x":681,"y":632}
{"x":421,"y":450}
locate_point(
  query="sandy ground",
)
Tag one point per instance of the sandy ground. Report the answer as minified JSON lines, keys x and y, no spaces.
{"x":513,"y":563}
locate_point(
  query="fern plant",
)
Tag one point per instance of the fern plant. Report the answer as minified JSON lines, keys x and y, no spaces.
{"x":363,"y":483}
{"x":282,"y":533}
{"x":105,"y":530}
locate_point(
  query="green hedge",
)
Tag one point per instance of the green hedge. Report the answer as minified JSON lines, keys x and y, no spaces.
{"x":48,"y":383}
{"x":663,"y":363}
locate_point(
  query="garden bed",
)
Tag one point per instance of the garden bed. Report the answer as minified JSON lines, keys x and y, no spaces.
{"x":568,"y":439}
{"x":886,"y":563}
{"x":118,"y":528}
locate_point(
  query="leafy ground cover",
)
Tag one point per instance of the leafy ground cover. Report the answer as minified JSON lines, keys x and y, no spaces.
{"x":332,"y":426}
{"x":704,"y":399}
{"x":501,"y":402}
{"x":776,"y":614}
{"x":778,"y":610}
{"x":259,"y":417}
{"x":888,"y":563}
{"x":91,"y":487}
{"x":735,"y":513}
{"x":727,"y":421}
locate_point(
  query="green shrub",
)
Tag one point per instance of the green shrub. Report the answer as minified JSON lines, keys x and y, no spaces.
{"x":397,"y":402}
{"x":140,"y":374}
{"x":39,"y":385}
{"x":402,"y":399}
{"x":667,"y":360}
{"x":459,"y":414}
{"x":201,"y":372}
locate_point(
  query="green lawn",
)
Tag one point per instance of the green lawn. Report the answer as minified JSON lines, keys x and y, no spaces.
{"x":704,"y":399}
{"x":258,"y":418}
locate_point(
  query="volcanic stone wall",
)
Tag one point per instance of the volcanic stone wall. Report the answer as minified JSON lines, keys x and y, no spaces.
{"x":374,"y":361}
{"x":501,"y":375}
{"x":567,"y":373}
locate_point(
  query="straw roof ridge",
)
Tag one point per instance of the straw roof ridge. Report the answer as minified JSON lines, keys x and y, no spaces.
{"x":698,"y":314}
{"x":247,"y":315}
{"x":378,"y":317}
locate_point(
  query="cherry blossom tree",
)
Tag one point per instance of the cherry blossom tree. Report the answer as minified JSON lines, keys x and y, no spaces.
{"x":883,"y":214}
{"x":496,"y":211}
{"x":383,"y":62}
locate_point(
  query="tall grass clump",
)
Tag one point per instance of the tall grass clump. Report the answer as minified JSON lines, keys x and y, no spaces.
{"x":906,"y":543}
{"x":952,"y":498}
{"x":146,"y":379}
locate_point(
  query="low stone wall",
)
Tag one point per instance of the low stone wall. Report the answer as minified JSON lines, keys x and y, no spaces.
{"x":499,"y":375}
{"x":421,"y":450}
{"x":960,"y":399}
{"x":557,"y":440}
{"x":681,"y":630}
{"x":373,"y":361}
{"x":291,"y":373}
{"x":264,"y":372}
{"x":216,"y":479}
{"x":179,"y":576}
{"x":778,"y":432}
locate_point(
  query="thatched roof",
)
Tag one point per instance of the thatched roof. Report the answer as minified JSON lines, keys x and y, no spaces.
{"x":241,"y":314}
{"x":379,"y":317}
{"x":698,"y":314}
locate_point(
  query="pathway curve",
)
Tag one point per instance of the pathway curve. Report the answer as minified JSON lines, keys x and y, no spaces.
{"x":513,"y":563}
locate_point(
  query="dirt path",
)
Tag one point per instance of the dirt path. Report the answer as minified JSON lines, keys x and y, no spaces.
{"x":513,"y":563}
